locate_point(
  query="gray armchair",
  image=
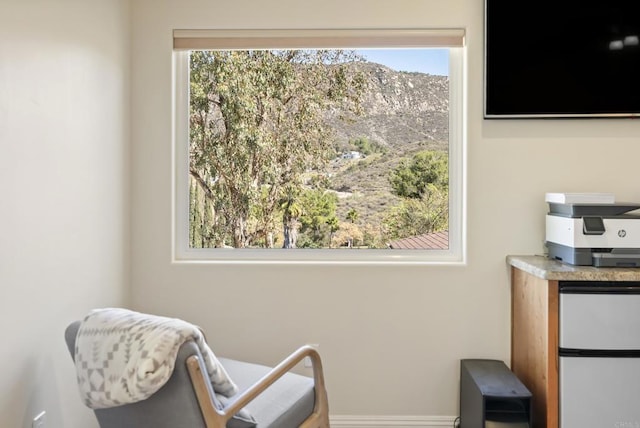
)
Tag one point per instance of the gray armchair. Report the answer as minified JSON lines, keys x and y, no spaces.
{"x":268,"y":397}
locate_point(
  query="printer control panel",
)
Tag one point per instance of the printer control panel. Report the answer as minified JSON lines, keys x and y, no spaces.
{"x":592,"y":225}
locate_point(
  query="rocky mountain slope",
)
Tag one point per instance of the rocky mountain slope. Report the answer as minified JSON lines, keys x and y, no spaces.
{"x":399,"y":108}
{"x":402,"y":112}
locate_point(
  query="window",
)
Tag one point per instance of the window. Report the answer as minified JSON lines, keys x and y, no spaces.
{"x":285,"y":151}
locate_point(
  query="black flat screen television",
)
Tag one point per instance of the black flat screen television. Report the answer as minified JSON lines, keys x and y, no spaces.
{"x":562,"y":58}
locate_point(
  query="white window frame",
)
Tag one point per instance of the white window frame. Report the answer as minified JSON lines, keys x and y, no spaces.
{"x":185,"y":40}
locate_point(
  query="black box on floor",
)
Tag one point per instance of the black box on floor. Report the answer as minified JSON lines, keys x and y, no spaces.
{"x":491,"y":396}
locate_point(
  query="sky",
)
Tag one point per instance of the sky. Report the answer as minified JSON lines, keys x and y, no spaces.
{"x":431,"y":61}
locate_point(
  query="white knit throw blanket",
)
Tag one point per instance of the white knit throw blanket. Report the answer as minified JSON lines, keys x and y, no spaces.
{"x":123,"y":356}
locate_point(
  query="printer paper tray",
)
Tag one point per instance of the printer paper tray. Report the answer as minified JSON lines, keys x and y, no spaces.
{"x":617,"y":258}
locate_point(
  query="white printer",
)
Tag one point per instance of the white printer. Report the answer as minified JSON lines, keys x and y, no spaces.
{"x":603,"y":235}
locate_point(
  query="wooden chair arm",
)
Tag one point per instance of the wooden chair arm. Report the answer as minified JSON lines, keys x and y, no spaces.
{"x":215,"y":418}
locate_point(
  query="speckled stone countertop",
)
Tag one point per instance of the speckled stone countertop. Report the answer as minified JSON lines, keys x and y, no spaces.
{"x":545,"y":268}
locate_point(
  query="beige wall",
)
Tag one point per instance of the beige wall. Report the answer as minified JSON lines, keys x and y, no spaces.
{"x":64,"y":210}
{"x":391,"y":337}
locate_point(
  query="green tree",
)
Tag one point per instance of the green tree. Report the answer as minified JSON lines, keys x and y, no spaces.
{"x":256,"y":125}
{"x":292,"y":210}
{"x":412,"y":179}
{"x":201,"y":233}
{"x":423,"y":185}
{"x":348,"y":235}
{"x":417,"y":216}
{"x":352,"y":215}
{"x":366,"y":146}
{"x":363,"y":145}
{"x":318,"y":221}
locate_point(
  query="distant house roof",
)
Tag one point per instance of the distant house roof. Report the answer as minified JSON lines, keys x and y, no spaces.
{"x":428,"y":241}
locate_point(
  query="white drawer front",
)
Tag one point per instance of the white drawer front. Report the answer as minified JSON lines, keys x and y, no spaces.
{"x":600,"y":321}
{"x":599,"y":392}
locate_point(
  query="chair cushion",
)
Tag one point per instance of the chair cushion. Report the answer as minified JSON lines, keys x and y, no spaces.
{"x":285,"y":404}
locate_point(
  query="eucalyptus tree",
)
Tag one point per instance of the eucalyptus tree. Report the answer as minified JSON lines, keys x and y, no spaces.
{"x":257,"y":125}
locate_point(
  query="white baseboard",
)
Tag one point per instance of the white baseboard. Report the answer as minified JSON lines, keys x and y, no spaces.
{"x":350,"y":421}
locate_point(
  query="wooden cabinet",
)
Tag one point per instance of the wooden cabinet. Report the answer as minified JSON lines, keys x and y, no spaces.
{"x":534,"y":342}
{"x":535,"y":321}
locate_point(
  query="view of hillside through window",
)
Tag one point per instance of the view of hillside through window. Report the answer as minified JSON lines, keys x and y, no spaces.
{"x":319,"y":149}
